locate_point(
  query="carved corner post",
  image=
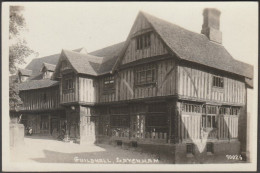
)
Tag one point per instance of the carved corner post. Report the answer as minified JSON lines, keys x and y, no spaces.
{"x":178,"y":112}
{"x":172,"y":122}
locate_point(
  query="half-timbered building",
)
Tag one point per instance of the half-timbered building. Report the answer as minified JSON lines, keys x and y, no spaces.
{"x":165,"y":89}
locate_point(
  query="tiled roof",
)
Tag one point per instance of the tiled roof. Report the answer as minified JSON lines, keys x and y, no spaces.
{"x":50,"y":67}
{"x":83,"y":63}
{"x":185,"y":44}
{"x":197,"y":48}
{"x":25,"y":72}
{"x":37,"y":84}
{"x":110,"y":55}
{"x":94,"y":63}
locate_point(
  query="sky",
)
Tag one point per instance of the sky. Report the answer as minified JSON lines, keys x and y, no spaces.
{"x":53,"y":26}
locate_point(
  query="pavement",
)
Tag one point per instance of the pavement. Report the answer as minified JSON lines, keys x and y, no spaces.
{"x":48,"y":150}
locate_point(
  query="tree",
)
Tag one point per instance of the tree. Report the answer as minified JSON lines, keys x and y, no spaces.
{"x":18,"y":51}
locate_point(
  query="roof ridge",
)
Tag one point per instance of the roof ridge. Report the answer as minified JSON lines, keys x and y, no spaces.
{"x":166,"y":21}
{"x":106,"y":47}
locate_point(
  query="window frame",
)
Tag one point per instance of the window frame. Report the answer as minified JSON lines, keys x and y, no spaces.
{"x":209,"y":117}
{"x":108,"y":84}
{"x":68,"y":83}
{"x":210,"y":147}
{"x":143,"y":41}
{"x":145,"y":75}
{"x":119,"y":121}
{"x":218,"y":81}
{"x":190,"y":149}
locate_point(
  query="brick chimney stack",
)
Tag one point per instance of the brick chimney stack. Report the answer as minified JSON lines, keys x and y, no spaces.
{"x":210,"y":27}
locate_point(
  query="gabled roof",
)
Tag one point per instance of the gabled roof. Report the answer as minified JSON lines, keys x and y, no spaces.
{"x":185,"y":44}
{"x":197,"y":48}
{"x":36,"y":64}
{"x":37,"y":84}
{"x":83,"y":63}
{"x":110,"y":55}
{"x":49,"y":67}
{"x":25,"y":72}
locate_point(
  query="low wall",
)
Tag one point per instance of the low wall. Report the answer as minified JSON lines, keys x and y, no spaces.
{"x":16,"y":134}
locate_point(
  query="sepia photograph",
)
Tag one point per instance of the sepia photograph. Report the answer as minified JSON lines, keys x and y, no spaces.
{"x":129,"y":86}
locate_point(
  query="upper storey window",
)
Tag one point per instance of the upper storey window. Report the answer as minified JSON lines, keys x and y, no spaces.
{"x":218,"y":82}
{"x":109,"y":83}
{"x":143,"y":41}
{"x":145,"y":75}
{"x":68,"y":83}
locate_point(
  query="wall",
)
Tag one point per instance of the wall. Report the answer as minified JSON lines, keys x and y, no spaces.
{"x":87,"y":90}
{"x":156,"y":48}
{"x":125,"y":89}
{"x":198,"y":84}
{"x":16,"y":135}
{"x":33,"y":99}
{"x":70,"y":95}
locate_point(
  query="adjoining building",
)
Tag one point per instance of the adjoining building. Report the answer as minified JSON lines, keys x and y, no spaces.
{"x":165,"y":88}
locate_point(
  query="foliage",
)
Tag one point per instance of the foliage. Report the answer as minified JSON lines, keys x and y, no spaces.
{"x":16,"y":21}
{"x":15,"y":101}
{"x":18,"y":51}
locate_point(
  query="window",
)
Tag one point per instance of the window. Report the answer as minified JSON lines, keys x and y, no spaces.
{"x":119,"y":121}
{"x":190,"y":149}
{"x":218,"y":82}
{"x":68,"y":84}
{"x":223,"y":110}
{"x":234,"y":111}
{"x":191,"y":108}
{"x":156,"y":123}
{"x":145,"y":75}
{"x":209,"y":147}
{"x":209,"y":119}
{"x":143,"y":41}
{"x":109,"y":83}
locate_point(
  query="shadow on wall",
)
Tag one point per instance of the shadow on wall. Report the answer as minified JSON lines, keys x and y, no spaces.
{"x":211,"y":142}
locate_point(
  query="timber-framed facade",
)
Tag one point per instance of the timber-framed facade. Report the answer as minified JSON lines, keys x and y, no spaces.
{"x":165,"y":88}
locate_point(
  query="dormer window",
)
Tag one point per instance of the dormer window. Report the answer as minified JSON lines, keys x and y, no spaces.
{"x":23,"y":74}
{"x":143,"y":41}
{"x":218,"y":82}
{"x":47,"y":70}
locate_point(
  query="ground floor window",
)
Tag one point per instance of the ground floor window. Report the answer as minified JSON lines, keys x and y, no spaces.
{"x":190,"y":149}
{"x":156,"y":123}
{"x":209,"y":147}
{"x":209,"y":121}
{"x":119,"y":121}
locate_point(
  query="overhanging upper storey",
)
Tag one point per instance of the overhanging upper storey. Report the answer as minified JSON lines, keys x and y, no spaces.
{"x":185,"y":45}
